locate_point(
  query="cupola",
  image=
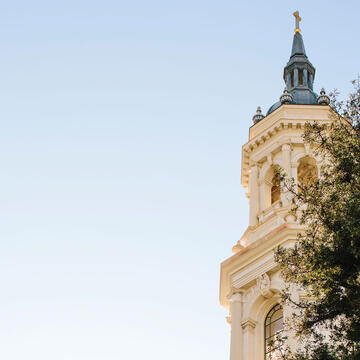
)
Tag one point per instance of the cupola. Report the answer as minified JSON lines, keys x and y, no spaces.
{"x":299,"y":73}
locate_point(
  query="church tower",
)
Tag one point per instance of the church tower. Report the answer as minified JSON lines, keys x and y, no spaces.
{"x":250,"y":281}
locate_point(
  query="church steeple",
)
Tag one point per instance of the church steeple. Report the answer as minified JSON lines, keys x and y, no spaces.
{"x":250,"y":280}
{"x":299,"y":73}
{"x":298,"y":47}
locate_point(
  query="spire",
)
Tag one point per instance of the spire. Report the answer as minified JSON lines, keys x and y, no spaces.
{"x":299,"y":74}
{"x":298,"y":47}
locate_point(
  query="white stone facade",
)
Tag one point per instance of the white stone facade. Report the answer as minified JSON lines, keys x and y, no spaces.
{"x":250,"y":281}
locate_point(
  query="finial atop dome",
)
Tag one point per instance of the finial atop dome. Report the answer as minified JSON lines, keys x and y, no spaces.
{"x":297,"y":21}
{"x":258,"y":116}
{"x":286,"y":97}
{"x":323,"y":99}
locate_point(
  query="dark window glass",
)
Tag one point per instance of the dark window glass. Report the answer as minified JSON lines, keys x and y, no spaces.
{"x":292,"y":79}
{"x":306,"y":172}
{"x":273,"y":326}
{"x":301,"y":77}
{"x":275,"y":188}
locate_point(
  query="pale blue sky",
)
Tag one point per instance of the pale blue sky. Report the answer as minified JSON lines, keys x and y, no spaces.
{"x":120,"y":147}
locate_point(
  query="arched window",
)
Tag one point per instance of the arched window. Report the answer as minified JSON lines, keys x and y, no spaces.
{"x":271,"y":189}
{"x":273,"y":327}
{"x":292,"y":79}
{"x":301,"y":77}
{"x":307,"y":172}
{"x":275,"y":188}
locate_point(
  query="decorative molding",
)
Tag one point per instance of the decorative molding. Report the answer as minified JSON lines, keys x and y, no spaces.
{"x":262,"y":287}
{"x":288,"y":122}
{"x":248,"y":324}
{"x":263,"y":284}
{"x":269,"y":159}
{"x":235,"y":291}
{"x":252,"y":272}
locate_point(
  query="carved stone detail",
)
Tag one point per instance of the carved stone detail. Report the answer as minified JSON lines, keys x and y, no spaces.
{"x":235,"y":291}
{"x":262,"y":287}
{"x":263,"y":284}
{"x":248,"y":324}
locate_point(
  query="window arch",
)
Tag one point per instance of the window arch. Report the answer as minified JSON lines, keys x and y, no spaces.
{"x":271,"y":189}
{"x":273,"y":326}
{"x":301,"y":76}
{"x":292,"y":79}
{"x":307,"y":172}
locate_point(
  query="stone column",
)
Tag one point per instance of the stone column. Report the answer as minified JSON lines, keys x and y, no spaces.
{"x":249,"y":339}
{"x":296,"y":77}
{"x":254,"y":195}
{"x":305,"y":74}
{"x":286,"y":157}
{"x":311,"y":79}
{"x":262,"y":195}
{"x":288,"y":80}
{"x":293,"y":173}
{"x":236,"y":329}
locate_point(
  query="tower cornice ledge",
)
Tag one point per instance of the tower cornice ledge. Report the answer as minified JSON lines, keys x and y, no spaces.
{"x":286,"y":122}
{"x":291,"y":112}
{"x":234,"y":268}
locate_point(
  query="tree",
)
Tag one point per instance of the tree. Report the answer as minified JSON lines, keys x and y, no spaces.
{"x":325,"y":261}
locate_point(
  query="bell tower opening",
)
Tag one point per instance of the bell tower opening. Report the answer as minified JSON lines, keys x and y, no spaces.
{"x":275,"y":188}
{"x":301,"y":77}
{"x":292,"y":79}
{"x":307,"y":172}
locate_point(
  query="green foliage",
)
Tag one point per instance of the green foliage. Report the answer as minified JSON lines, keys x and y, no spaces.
{"x":325,"y":262}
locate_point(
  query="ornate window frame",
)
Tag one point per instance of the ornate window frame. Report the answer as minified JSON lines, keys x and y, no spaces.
{"x":273,"y":317}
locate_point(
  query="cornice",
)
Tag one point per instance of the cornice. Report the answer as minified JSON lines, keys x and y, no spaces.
{"x":288,"y":121}
{"x":291,"y":113}
{"x":263,"y":247}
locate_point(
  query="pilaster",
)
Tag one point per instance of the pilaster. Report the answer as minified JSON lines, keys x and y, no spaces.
{"x":236,"y":306}
{"x":248,"y":327}
{"x":286,"y":157}
{"x":254,"y":195}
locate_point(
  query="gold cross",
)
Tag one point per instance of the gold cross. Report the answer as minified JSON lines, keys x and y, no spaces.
{"x":297,"y":21}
